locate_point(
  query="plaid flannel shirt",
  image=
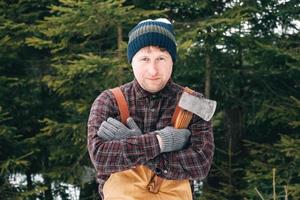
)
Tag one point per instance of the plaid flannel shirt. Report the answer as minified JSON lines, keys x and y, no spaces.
{"x":151,"y":112}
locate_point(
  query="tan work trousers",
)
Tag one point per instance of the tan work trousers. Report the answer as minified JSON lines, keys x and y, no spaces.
{"x":132,"y":185}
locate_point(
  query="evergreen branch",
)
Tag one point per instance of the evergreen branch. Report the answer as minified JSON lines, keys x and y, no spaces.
{"x":259,"y":194}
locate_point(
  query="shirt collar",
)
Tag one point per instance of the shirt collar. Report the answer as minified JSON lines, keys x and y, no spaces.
{"x":167,"y":91}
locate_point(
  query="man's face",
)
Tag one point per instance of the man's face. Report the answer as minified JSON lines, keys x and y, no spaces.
{"x":152,"y":68}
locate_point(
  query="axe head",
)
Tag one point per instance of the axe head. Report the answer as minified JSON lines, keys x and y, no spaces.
{"x":204,"y":108}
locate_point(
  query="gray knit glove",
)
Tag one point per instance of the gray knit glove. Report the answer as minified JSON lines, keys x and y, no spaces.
{"x":113,"y":129}
{"x":173,"y":139}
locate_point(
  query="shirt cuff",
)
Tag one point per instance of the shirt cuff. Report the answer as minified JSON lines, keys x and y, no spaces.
{"x":151,"y":145}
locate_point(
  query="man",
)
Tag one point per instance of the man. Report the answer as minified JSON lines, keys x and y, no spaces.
{"x":127,"y":156}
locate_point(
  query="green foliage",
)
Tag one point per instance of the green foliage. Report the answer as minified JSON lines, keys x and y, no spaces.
{"x":282,"y":155}
{"x":57,"y":56}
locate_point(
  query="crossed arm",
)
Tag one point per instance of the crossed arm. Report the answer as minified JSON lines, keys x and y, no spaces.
{"x":109,"y":156}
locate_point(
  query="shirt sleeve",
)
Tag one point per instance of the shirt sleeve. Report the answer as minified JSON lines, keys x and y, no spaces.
{"x":193,"y":162}
{"x":117,"y":155}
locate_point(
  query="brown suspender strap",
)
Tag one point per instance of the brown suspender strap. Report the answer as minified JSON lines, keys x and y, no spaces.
{"x":155,"y":184}
{"x":180,"y":119}
{"x":122,"y":104}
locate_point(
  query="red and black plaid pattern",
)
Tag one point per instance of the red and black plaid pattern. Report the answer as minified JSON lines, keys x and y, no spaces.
{"x":151,"y":112}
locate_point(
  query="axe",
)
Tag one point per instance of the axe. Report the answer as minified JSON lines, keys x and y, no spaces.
{"x":204,"y":108}
{"x":188,"y":105}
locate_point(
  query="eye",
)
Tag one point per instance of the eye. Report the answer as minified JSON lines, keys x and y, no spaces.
{"x":161,"y":58}
{"x":144,"y":59}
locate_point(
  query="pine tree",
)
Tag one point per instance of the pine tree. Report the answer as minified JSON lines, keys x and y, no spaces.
{"x":282,"y":156}
{"x":22,"y":93}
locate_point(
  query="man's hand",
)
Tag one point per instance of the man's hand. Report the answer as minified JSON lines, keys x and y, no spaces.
{"x":172,"y":139}
{"x":113,"y":129}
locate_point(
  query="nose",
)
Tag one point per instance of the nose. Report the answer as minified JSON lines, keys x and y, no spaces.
{"x":153,"y":68}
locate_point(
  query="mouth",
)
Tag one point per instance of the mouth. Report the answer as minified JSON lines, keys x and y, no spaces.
{"x":153,"y":79}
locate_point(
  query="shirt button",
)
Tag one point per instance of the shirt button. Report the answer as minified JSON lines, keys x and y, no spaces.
{"x":165,"y":171}
{"x":154,"y":96}
{"x":157,"y":171}
{"x":152,"y":110}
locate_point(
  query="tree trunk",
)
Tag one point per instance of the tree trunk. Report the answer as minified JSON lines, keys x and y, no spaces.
{"x":120,"y":72}
{"x":47,"y":180}
{"x":207,"y":75}
{"x":208,"y":65}
{"x":120,"y":40}
{"x":29,"y":183}
{"x":233,"y":124}
{"x":48,"y":192}
{"x":29,"y":180}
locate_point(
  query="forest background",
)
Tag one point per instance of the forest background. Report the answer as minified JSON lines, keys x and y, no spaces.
{"x":57,"y":56}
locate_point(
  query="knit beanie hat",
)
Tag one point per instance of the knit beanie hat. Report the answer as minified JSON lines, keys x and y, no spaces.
{"x":158,"y":32}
